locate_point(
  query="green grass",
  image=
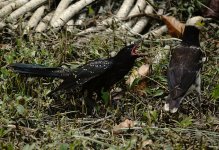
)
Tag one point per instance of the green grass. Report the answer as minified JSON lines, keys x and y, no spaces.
{"x":25,"y":122}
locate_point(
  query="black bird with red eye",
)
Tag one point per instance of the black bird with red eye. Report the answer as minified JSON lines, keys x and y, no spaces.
{"x":91,"y":77}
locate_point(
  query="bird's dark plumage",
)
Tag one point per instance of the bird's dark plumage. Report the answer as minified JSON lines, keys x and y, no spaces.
{"x":184,"y":68}
{"x":93,"y":76}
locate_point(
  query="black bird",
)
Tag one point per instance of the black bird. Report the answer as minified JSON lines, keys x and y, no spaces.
{"x":185,"y":65}
{"x":92,"y":77}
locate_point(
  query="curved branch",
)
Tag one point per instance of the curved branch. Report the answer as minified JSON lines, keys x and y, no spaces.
{"x":11,"y":6}
{"x":142,"y":23}
{"x":70,"y":12}
{"x":125,"y":8}
{"x":63,"y":4}
{"x":42,"y":26}
{"x":35,"y":18}
{"x":25,"y":8}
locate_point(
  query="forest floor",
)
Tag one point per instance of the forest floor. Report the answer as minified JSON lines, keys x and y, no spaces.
{"x":27,"y":121}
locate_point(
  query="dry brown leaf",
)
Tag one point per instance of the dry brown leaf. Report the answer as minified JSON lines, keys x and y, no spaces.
{"x":138,"y":73}
{"x":147,"y":142}
{"x":143,"y":70}
{"x":125,"y":124}
{"x":139,"y":89}
{"x":175,"y":27}
{"x":5,"y":46}
{"x":217,"y":44}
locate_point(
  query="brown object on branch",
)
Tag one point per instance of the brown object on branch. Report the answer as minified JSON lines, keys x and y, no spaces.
{"x":175,"y":27}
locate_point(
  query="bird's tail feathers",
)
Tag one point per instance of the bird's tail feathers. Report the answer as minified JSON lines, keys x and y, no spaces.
{"x":172,"y":105}
{"x":39,"y":70}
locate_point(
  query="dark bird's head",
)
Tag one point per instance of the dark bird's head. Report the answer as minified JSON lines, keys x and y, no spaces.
{"x":192,"y":29}
{"x":129,"y":52}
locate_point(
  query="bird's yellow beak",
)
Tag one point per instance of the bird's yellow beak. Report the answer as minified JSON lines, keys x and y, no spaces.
{"x":200,"y":23}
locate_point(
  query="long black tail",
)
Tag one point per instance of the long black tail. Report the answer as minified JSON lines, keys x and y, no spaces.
{"x":39,"y":70}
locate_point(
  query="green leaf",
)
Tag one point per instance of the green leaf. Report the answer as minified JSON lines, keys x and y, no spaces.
{"x":158,"y":93}
{"x":105,"y":95}
{"x":135,"y":82}
{"x":20,"y":109}
{"x":64,"y":146}
{"x":90,"y":11}
{"x":154,"y":115}
{"x":29,"y":147}
{"x":187,"y":121}
{"x":215,"y":92}
{"x":3,"y":132}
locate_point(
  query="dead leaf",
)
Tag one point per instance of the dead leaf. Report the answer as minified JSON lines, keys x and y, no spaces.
{"x":147,"y":142}
{"x":117,"y":129}
{"x":143,"y":70}
{"x":175,"y":27}
{"x":139,"y":89}
{"x":138,"y":73}
{"x":5,"y":46}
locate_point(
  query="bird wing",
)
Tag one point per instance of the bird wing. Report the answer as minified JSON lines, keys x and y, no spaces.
{"x":183,"y":69}
{"x":85,"y":73}
{"x":92,"y":70}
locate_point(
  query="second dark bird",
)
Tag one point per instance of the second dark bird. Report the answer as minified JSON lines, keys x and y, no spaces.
{"x":91,"y":77}
{"x":183,"y":73}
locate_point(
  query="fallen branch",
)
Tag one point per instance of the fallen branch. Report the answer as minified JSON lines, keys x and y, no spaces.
{"x":26,"y":8}
{"x":70,"y":12}
{"x":12,"y":6}
{"x":149,"y":15}
{"x":70,"y":25}
{"x":142,"y":23}
{"x":80,"y":19}
{"x":125,"y":8}
{"x":122,"y":12}
{"x":20,"y":128}
{"x":63,"y":4}
{"x":138,"y":8}
{"x":36,"y":17}
{"x":4,"y":3}
{"x":2,"y":25}
{"x":42,"y":26}
{"x":92,"y":30}
{"x":156,"y":32}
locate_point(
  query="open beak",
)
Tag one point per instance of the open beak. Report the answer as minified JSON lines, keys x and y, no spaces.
{"x":134,"y":51}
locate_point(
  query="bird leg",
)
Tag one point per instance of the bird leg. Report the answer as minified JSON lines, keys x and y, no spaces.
{"x":89,"y":102}
{"x":198,"y":93}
